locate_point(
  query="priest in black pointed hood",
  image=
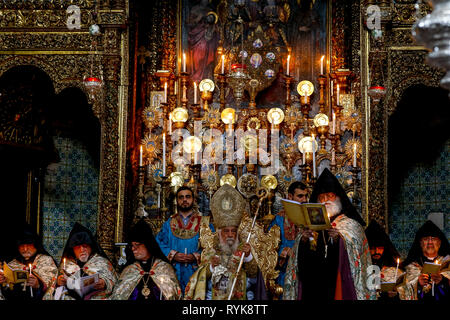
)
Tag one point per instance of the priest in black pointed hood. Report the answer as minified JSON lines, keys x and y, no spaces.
{"x":148,"y":275}
{"x":430,"y":246}
{"x":336,"y":267}
{"x":30,"y":253}
{"x":83,"y":256}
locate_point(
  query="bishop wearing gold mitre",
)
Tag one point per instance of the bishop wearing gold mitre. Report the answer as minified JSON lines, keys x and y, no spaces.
{"x":222,"y":251}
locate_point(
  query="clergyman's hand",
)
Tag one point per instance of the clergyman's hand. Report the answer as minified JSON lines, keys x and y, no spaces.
{"x":215,"y":261}
{"x":33,"y":281}
{"x":306,"y":234}
{"x":246,"y":248}
{"x":437,"y":278}
{"x":100,"y":285}
{"x":423,"y":279}
{"x":333,"y":233}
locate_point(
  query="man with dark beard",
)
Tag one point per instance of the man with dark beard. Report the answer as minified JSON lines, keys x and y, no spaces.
{"x":30,"y":252}
{"x":335,"y":268}
{"x":178,"y":238}
{"x":297,"y":191}
{"x":82,"y":256}
{"x":385,"y":256}
{"x":430,"y":245}
{"x":222,"y":254}
{"x":148,"y":275}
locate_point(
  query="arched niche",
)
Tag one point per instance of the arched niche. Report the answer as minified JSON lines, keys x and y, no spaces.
{"x":417,"y":160}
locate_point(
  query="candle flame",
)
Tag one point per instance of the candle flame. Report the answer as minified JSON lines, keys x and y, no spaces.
{"x":289,"y":57}
{"x":321,"y":59}
{"x":398,"y":260}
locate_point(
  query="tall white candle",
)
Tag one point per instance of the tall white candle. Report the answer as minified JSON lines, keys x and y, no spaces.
{"x":223,"y":64}
{"x":321,"y":64}
{"x":337,"y":95}
{"x":164,"y":154}
{"x":31,"y":289}
{"x":165,"y":92}
{"x":184,"y":62}
{"x":195,"y":92}
{"x":354,"y":155}
{"x":64,"y":264}
{"x":332,"y":87}
{"x":314,"y":154}
{"x":175,"y":89}
{"x":287,"y":65}
{"x":333,"y":129}
{"x":140,"y":160}
{"x":170,"y":123}
{"x":304,"y":157}
{"x":396,"y":270}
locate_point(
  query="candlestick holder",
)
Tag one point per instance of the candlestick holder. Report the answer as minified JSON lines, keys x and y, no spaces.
{"x":287,"y":82}
{"x":323,"y":133}
{"x":197,"y":116}
{"x":222,"y":84}
{"x":322,"y":82}
{"x":184,"y":79}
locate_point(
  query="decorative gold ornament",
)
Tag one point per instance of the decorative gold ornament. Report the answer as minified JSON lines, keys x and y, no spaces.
{"x":247,"y":184}
{"x":348,"y":148}
{"x":269,"y":182}
{"x":320,"y":120}
{"x":152,"y":116}
{"x":192,"y":144}
{"x":275,"y":116}
{"x":206,"y":85}
{"x":176,"y":179}
{"x":249,"y":142}
{"x":156,"y":171}
{"x":228,"y":116}
{"x":179,"y":115}
{"x":228,"y":179}
{"x":211,"y":181}
{"x":285,"y":179}
{"x":212,"y":117}
{"x":305,"y":88}
{"x":347,"y":101}
{"x":306,"y":145}
{"x":253,"y":123}
{"x":227,"y":207}
{"x":152,"y":146}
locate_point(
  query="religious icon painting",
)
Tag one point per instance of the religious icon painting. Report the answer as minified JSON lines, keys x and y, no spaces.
{"x":269,"y":74}
{"x":257,"y":43}
{"x":270,"y":56}
{"x":256,"y":60}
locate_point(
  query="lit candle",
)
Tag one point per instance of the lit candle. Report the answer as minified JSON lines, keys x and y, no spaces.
{"x":396,"y":270}
{"x":195,"y":92}
{"x":31,"y":289}
{"x":140,"y":157}
{"x":314,"y":155}
{"x":164,"y":154}
{"x":165,"y":92}
{"x":304,"y":157}
{"x":354,"y":155}
{"x":287,"y":66}
{"x":321,"y":64}
{"x":333,"y":129}
{"x":337,"y":95}
{"x":223,"y":64}
{"x":332,"y":88}
{"x":175,"y":89}
{"x":64,"y":264}
{"x":184,"y":62}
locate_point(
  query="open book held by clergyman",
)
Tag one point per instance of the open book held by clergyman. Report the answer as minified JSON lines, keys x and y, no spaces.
{"x":311,"y":215}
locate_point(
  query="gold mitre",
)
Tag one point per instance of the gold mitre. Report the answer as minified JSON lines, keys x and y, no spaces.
{"x":227,"y":207}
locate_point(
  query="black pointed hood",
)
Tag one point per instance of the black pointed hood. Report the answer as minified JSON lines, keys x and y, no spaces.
{"x":327,"y":182}
{"x":377,"y":237}
{"x":81,"y":235}
{"x":28,"y":236}
{"x":143,"y":233}
{"x":415,"y":254}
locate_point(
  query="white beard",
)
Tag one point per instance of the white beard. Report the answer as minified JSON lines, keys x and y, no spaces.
{"x":334,"y":207}
{"x":229,"y":245}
